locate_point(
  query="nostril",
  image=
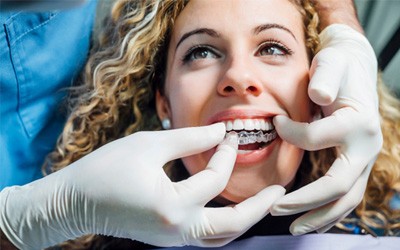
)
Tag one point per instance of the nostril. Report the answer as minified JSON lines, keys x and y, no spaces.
{"x":228,"y":89}
{"x":252,"y":89}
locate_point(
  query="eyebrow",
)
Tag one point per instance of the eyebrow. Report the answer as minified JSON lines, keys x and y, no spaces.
{"x":257,"y":30}
{"x":214,"y":33}
{"x":207,"y":31}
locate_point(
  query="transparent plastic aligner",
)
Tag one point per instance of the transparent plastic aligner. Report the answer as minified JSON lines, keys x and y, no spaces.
{"x":245,"y":137}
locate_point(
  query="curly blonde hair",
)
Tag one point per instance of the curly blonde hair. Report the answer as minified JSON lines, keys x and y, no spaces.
{"x":127,"y":65}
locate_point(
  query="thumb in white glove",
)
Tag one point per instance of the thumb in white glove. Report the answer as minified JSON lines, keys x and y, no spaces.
{"x":122,"y":190}
{"x":343,"y":81}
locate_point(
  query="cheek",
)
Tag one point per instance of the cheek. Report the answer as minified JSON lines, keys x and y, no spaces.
{"x":189,"y":96}
{"x":194,"y":164}
{"x":301,"y":105}
{"x":292,"y":92}
{"x":288,"y":163}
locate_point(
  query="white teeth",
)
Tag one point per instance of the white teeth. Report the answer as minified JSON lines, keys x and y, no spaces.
{"x":238,"y":124}
{"x":262,"y":125}
{"x":229,"y":125}
{"x":268,"y":126}
{"x":246,"y":130}
{"x":257,"y":124}
{"x":249,"y":124}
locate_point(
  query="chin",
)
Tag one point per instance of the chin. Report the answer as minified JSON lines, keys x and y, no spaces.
{"x":280,"y":169}
{"x":236,"y":193}
{"x":250,"y":177}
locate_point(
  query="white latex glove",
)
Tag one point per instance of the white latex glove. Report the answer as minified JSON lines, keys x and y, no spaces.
{"x":122,"y":190}
{"x":343,"y":81}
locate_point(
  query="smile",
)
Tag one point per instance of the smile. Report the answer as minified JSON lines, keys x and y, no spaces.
{"x":253,"y":134}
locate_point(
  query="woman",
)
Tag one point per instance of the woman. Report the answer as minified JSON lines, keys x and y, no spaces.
{"x":190,"y":70}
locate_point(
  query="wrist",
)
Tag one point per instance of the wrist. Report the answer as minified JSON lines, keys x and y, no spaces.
{"x":337,"y":12}
{"x":6,"y":225}
{"x":36,"y":215}
{"x":5,"y":243}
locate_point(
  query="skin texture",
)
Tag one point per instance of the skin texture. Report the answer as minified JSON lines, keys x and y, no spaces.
{"x":244,"y":72}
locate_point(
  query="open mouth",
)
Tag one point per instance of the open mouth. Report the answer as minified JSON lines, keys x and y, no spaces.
{"x":253,"y":134}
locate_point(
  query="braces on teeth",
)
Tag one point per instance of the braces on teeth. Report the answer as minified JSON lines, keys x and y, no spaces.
{"x":245,"y":137}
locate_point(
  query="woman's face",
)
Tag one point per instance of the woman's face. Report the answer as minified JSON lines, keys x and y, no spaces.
{"x":240,"y":62}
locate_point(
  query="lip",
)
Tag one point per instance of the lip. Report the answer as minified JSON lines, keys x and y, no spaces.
{"x":239,"y":114}
{"x":256,"y":156}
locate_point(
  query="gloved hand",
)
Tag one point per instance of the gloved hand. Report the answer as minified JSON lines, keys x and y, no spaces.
{"x":121,"y":190}
{"x":343,"y":81}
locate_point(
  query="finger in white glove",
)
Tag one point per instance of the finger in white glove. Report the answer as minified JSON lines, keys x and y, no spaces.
{"x":343,"y":81}
{"x":122,"y":190}
{"x":228,"y":223}
{"x":331,"y":212}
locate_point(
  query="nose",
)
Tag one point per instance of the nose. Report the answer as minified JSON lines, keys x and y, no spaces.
{"x":239,"y":79}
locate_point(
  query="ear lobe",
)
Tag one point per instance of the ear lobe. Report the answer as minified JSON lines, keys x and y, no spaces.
{"x":162,"y":106}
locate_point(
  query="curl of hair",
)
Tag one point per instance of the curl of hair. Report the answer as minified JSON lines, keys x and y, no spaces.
{"x":117,"y":96}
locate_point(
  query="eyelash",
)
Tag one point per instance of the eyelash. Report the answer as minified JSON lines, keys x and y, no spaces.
{"x":187,"y":56}
{"x":276,"y":43}
{"x":269,"y":43}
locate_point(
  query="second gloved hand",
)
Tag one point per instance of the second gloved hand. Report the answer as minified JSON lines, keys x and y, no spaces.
{"x":122,"y":190}
{"x":343,"y":82}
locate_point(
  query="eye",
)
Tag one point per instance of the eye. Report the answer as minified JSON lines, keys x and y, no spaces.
{"x":274,"y":48}
{"x":199,"y":53}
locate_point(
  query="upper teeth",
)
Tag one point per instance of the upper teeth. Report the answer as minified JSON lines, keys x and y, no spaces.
{"x":249,"y":124}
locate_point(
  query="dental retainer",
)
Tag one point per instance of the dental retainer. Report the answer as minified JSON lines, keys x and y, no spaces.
{"x":246,"y":137}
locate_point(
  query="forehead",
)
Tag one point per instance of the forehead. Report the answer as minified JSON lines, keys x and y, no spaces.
{"x":238,"y":15}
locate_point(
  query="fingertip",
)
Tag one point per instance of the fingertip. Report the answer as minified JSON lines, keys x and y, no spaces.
{"x":278,"y":119}
{"x":278,"y":190}
{"x":274,"y":210}
{"x":297,"y":228}
{"x":303,"y":225}
{"x":224,"y":158}
{"x":326,"y":73}
{"x":218,"y":128}
{"x":321,"y":95}
{"x":277,"y":210}
{"x":272,"y":193}
{"x":296,"y":231}
{"x":287,"y":129}
{"x":280,"y":122}
{"x":283,"y":206}
{"x":231,"y":140}
{"x":218,"y":125}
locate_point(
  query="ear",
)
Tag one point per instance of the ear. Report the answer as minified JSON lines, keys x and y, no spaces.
{"x":162,"y":106}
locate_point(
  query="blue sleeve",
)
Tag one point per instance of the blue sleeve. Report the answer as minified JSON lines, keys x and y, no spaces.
{"x":40,"y":56}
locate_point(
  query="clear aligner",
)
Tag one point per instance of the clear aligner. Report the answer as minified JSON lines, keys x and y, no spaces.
{"x":245,"y":137}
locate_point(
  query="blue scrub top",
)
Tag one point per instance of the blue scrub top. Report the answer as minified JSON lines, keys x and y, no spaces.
{"x":40,"y":55}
